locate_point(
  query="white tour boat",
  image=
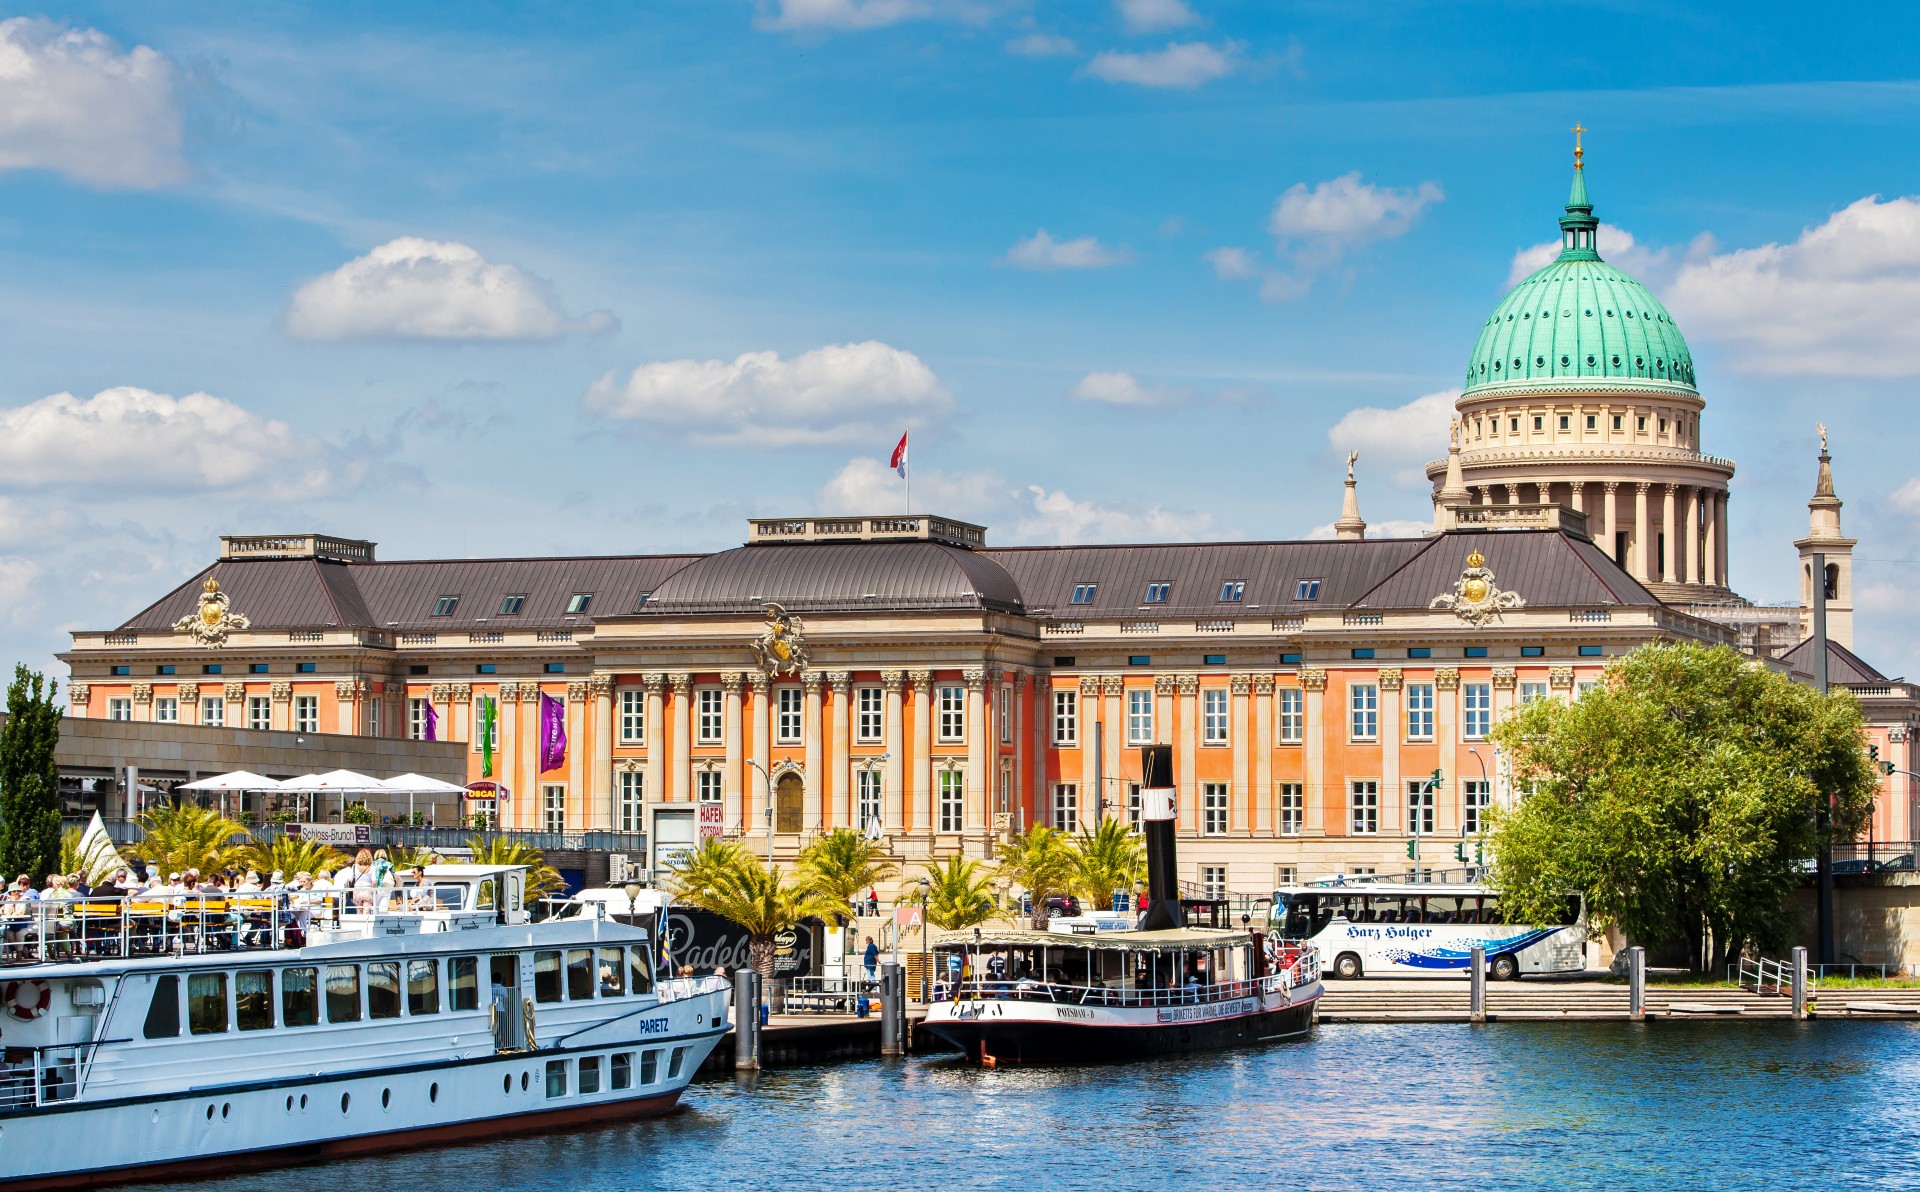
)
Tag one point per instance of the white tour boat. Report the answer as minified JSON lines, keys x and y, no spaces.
{"x":163,"y":1036}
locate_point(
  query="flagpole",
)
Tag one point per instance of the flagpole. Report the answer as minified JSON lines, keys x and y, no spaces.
{"x":908,"y":461}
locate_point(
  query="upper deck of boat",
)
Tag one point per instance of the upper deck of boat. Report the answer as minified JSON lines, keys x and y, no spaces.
{"x":1180,"y":939}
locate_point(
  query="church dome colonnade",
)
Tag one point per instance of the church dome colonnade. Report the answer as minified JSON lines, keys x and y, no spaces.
{"x":1581,"y":393}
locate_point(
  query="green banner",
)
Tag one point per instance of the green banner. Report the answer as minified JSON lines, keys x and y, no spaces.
{"x":486,"y":737}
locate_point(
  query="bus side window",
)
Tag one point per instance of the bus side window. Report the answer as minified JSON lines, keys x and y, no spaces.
{"x":1493,"y":914}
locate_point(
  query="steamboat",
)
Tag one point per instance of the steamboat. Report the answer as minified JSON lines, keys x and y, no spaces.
{"x":151,"y":1037}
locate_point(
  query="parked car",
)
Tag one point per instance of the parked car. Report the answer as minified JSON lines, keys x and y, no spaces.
{"x":1063,"y":906}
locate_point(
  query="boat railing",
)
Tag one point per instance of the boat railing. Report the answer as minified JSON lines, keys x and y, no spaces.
{"x":31,"y":1077}
{"x":676,"y":989}
{"x":1100,"y":995}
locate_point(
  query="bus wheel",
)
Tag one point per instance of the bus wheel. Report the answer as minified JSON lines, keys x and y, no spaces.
{"x":1346,"y":966}
{"x":1504,"y":968}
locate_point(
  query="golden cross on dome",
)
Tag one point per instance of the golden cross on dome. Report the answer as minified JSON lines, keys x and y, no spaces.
{"x":1578,"y":152}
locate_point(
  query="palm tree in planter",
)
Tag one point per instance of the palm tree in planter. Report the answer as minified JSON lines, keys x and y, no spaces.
{"x":1043,"y":863}
{"x":959,"y":895}
{"x":843,"y":865}
{"x":1108,"y":860}
{"x":756,"y":896}
{"x":187,"y":837}
{"x":291,"y":855}
{"x":542,"y":878}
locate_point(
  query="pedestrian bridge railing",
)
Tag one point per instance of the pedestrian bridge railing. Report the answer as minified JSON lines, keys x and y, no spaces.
{"x":1768,"y":976}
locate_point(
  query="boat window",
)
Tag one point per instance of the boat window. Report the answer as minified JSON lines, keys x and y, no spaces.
{"x":556,"y":1078}
{"x":463,"y":983}
{"x":649,"y":1066}
{"x":299,"y":996}
{"x":485,"y":900}
{"x":612,"y":975}
{"x":622,"y":1070}
{"x":207,"y":1003}
{"x":448,"y":898}
{"x":677,"y":1063}
{"x":640,"y":969}
{"x":253,"y":999}
{"x":546,"y":976}
{"x":343,"y":993}
{"x":423,"y":987}
{"x":580,"y":974}
{"x":163,"y":1016}
{"x":383,"y":989}
{"x":589,"y":1074}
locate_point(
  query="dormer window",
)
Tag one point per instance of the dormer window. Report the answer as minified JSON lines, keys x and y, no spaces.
{"x":1307,"y":589}
{"x":1083,"y":593}
{"x":444,"y":606}
{"x":578,"y":602}
{"x":1232,"y":591}
{"x":1157,"y":593}
{"x":640,"y":603}
{"x":510,"y":606}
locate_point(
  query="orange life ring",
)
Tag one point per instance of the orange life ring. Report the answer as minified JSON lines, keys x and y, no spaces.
{"x":27,"y":1000}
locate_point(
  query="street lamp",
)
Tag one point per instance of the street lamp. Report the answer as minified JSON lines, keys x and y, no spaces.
{"x":769,"y":805}
{"x":1480,"y":815}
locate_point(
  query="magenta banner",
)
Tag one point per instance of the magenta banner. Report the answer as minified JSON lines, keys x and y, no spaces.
{"x":553,"y":733}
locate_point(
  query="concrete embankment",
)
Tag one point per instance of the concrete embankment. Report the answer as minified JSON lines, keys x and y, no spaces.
{"x":1442,"y":999}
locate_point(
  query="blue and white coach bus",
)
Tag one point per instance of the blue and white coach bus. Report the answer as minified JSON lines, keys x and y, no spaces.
{"x":1371,"y":928}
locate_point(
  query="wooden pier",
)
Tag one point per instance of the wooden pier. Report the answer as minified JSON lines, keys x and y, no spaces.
{"x":1442,"y":1000}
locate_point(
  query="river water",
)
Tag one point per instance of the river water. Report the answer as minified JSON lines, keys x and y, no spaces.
{"x":1746,"y":1105}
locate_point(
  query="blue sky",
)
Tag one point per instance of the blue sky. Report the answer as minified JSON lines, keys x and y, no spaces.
{"x":513,"y":279}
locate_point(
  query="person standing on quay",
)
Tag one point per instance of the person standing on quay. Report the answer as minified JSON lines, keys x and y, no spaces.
{"x":872,"y":958}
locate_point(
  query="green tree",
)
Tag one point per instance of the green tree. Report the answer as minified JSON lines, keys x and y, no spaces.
{"x":843,"y":864}
{"x":542,"y":878}
{"x":187,"y":837}
{"x":959,"y":893}
{"x":702,"y":868}
{"x":1107,"y":861}
{"x":291,"y":855}
{"x":29,"y":778}
{"x":1043,"y":863}
{"x":1682,"y":797}
{"x":758,"y":897}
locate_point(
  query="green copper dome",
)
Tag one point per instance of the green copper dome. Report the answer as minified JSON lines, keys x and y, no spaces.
{"x":1580,"y":319}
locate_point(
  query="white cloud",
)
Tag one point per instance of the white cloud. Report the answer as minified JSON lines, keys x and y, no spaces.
{"x":1042,"y":45}
{"x":21,"y":592}
{"x":1840,"y":300}
{"x":868,"y":486}
{"x":843,"y":14}
{"x":1121,"y":389}
{"x":1054,"y":517}
{"x":1651,"y":266}
{"x":841,"y":393}
{"x":71,"y":101}
{"x":135,"y":439}
{"x":1906,"y":498}
{"x":434,"y":290}
{"x":1042,"y":251}
{"x":1181,"y":64}
{"x":1385,"y":529}
{"x":1230,"y":264}
{"x":1317,"y":226}
{"x":1153,"y":16}
{"x":1404,"y":437}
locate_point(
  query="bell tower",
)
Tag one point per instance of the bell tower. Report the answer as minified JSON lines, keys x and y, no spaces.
{"x":1824,"y":538}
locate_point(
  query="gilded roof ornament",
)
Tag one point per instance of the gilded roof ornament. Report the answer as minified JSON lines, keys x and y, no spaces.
{"x":1475,"y":598}
{"x":213,"y":619}
{"x":782,"y":647}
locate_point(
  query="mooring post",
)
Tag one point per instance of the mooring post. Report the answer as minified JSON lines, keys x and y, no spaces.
{"x":1477,"y":989}
{"x":1799,"y":983}
{"x":746,"y":1018}
{"x":890,"y":1015}
{"x":1637,"y":983}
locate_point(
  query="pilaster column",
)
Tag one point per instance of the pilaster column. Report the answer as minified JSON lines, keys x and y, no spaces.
{"x":922,"y":747}
{"x":235,"y":695}
{"x":813,"y":808}
{"x":460,"y":705}
{"x":757,"y":797}
{"x":1710,"y":537}
{"x":280,"y":693}
{"x":1019,"y":683}
{"x":1670,"y":531}
{"x":579,"y":806}
{"x":1042,"y":749}
{"x":840,"y":784}
{"x":1687,"y":539}
{"x":1641,"y":532}
{"x":1393,"y":796}
{"x":680,"y":747}
{"x":1113,"y":738}
{"x":1612,"y":518}
{"x":896,"y":769}
{"x":602,"y":795}
{"x":1313,"y":684}
{"x":1513,"y":494}
{"x":1261,"y":797}
{"x":526,"y":756}
{"x":1186,"y":751}
{"x":1164,"y":687}
{"x":1240,"y":790}
{"x":514,"y":811}
{"x":1446,"y":739}
{"x":659,"y":764}
{"x":1720,"y":537}
{"x":1578,"y":489}
{"x":731,"y":778}
{"x":973,"y":817}
{"x":1089,"y":735}
{"x":1503,"y":684}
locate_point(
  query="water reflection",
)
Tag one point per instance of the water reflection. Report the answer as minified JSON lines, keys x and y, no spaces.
{"x":1572,"y":1106}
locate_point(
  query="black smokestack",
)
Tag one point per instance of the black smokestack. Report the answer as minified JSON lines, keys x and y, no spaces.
{"x":1157,"y":808}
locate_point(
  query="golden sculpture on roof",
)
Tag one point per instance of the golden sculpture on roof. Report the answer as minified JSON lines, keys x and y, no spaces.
{"x":782,"y":646}
{"x":1475,"y":598}
{"x":211,"y":621}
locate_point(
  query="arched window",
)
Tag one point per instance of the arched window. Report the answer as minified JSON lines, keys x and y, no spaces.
{"x":1833,"y":581}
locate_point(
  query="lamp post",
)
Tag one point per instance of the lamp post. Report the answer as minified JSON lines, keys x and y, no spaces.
{"x":768,"y":780}
{"x":1486,"y":792}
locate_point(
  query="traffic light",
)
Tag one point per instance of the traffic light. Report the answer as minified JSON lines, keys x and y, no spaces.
{"x":1873,"y":751}
{"x":1889,"y":767}
{"x":1435,"y":780}
{"x":1460,"y":852}
{"x":1413,"y":849}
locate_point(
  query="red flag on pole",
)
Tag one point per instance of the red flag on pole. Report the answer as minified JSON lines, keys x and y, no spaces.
{"x":899,"y":461}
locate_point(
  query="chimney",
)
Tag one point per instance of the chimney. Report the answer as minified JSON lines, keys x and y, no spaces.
{"x":1157,"y":804}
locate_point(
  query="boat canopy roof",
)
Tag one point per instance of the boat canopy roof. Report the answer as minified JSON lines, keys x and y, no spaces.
{"x":1183,"y":939}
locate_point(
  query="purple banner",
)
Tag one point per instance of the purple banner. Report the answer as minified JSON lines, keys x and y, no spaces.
{"x":553,"y":733}
{"x":433,"y":723}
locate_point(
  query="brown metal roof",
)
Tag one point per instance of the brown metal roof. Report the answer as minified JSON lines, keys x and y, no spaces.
{"x":1843,"y":665}
{"x":1546,"y":567}
{"x":821,"y":576}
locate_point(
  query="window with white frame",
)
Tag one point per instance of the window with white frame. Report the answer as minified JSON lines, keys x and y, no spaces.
{"x":1363,"y":807}
{"x":1293,"y":719}
{"x":1213,"y":808}
{"x":1476,"y":795}
{"x":953,"y":713}
{"x":1066,"y":718}
{"x":376,"y":724}
{"x":119,"y":709}
{"x":306,"y":713}
{"x":416,"y":720}
{"x":1419,"y":711}
{"x":1286,"y":875}
{"x":166,"y":709}
{"x":868,"y":784}
{"x":1004,"y":700}
{"x":1003,"y":794}
{"x":213,"y":710}
{"x":708,"y":786}
{"x":1477,"y":710}
{"x":1066,"y":807}
{"x":1532,"y":691}
{"x":1139,"y":716}
{"x":1213,"y":881}
{"x":630,"y":801}
{"x":1363,"y":702}
{"x":710,"y":716}
{"x":553,"y":809}
{"x":870,"y":718}
{"x":259,"y":713}
{"x":489,"y":738}
{"x":1584,"y":686}
{"x":633,"y":716}
{"x":1420,"y":799}
{"x":1213,"y":716}
{"x":1133,"y":806}
{"x":1293,"y":808}
{"x":952,"y":800}
{"x":786,"y":715}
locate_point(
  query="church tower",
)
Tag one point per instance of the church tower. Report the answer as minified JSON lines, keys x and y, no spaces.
{"x":1825,"y":538}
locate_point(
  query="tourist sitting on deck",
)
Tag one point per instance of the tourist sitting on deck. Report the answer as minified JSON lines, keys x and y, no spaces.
{"x":17,"y":923}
